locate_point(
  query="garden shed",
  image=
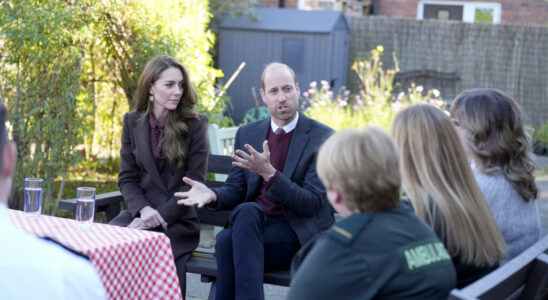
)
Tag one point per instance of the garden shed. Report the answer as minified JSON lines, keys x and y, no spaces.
{"x":313,"y":43}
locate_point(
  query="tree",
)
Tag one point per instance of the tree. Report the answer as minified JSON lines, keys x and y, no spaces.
{"x":41,"y":56}
{"x":69,"y":68}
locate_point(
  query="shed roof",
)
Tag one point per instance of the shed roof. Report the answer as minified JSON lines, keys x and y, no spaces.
{"x":290,"y":20}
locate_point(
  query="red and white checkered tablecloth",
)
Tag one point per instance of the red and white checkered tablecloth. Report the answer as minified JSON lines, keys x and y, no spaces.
{"x":132,"y":264}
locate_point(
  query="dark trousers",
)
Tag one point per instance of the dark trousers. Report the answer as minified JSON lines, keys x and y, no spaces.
{"x":252,"y":243}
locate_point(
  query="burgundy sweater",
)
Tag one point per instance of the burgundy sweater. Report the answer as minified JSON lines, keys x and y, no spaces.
{"x":278,"y":146}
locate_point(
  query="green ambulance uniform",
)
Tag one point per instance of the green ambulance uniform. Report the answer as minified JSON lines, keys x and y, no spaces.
{"x":387,"y":255}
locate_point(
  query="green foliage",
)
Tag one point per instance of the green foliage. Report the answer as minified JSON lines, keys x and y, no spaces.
{"x":68,"y":71}
{"x":217,"y":106}
{"x":375,"y":104}
{"x":41,"y":58}
{"x":128,"y":34}
{"x":101,"y":174}
{"x":484,"y":15}
{"x":541,"y":135}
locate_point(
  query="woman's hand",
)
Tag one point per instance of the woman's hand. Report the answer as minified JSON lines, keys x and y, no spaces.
{"x":151,"y":218}
{"x":137,"y":223}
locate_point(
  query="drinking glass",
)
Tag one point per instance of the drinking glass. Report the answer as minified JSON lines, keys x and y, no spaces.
{"x":33,"y":197}
{"x":85,"y":206}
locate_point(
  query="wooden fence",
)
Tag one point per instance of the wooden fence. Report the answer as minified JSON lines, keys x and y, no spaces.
{"x":512,"y":58}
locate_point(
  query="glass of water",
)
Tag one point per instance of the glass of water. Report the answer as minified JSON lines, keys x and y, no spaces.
{"x":33,"y":197}
{"x":85,"y":206}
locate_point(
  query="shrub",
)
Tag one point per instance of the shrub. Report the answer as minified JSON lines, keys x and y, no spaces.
{"x":68,"y":71}
{"x":375,"y":104}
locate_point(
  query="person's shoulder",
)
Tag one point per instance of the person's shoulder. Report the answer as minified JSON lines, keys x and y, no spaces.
{"x":45,"y":254}
{"x":200,"y":121}
{"x":61,"y":253}
{"x":256,"y":123}
{"x":202,"y":118}
{"x":131,"y":117}
{"x":132,"y":114}
{"x":348,"y":229}
{"x":73,"y":269}
{"x":252,"y":127}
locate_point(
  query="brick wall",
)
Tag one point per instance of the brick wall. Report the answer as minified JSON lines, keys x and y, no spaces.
{"x":397,"y":8}
{"x":526,"y":12}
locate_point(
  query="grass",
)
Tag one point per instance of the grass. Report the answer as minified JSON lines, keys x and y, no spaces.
{"x":100,"y":174}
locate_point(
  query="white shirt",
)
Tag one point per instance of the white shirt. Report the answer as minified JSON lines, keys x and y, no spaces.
{"x":287,"y":128}
{"x":31,"y":268}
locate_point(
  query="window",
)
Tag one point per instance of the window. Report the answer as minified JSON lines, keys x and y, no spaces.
{"x":472,"y":12}
{"x":316,"y":4}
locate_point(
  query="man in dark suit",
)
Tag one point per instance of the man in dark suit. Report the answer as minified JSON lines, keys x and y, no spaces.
{"x":278,"y":201}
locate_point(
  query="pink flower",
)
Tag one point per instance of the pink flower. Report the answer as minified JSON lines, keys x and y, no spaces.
{"x":355,"y":107}
{"x":306,"y":94}
{"x":397,"y":106}
{"x":313,"y":84}
{"x":360,"y":102}
{"x":325,"y":84}
{"x":372,"y":79}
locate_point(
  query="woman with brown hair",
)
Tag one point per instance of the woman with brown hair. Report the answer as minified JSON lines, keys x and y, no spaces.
{"x":442,"y":190}
{"x":163,"y":140}
{"x":491,"y":125}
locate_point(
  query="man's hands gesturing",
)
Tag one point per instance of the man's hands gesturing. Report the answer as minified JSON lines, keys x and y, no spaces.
{"x":199,"y":194}
{"x":256,"y":162}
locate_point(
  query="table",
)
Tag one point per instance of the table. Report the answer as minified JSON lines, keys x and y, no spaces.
{"x":132,"y":264}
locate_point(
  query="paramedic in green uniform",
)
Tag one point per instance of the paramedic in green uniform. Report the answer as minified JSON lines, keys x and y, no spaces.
{"x":380,"y":249}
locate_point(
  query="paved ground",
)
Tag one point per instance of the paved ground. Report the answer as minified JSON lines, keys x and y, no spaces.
{"x":198,"y":290}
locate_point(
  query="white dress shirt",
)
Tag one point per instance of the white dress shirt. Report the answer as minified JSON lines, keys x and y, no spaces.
{"x":31,"y":268}
{"x":287,"y":128}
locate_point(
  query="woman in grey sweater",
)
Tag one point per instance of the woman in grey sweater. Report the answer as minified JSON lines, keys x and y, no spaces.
{"x":491,"y":125}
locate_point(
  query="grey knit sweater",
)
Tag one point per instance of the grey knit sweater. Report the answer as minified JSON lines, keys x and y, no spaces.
{"x":519,"y":221}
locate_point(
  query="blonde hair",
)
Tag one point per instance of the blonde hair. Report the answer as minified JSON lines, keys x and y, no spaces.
{"x":176,"y":131}
{"x":441,"y":186}
{"x":363,"y":166}
{"x":492,"y":124}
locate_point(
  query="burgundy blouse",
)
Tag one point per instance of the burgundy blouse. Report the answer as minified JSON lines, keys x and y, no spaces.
{"x":155,"y":136}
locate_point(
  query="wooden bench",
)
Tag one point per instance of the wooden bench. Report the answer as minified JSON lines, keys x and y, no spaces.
{"x":202,"y":263}
{"x":524,"y":277}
